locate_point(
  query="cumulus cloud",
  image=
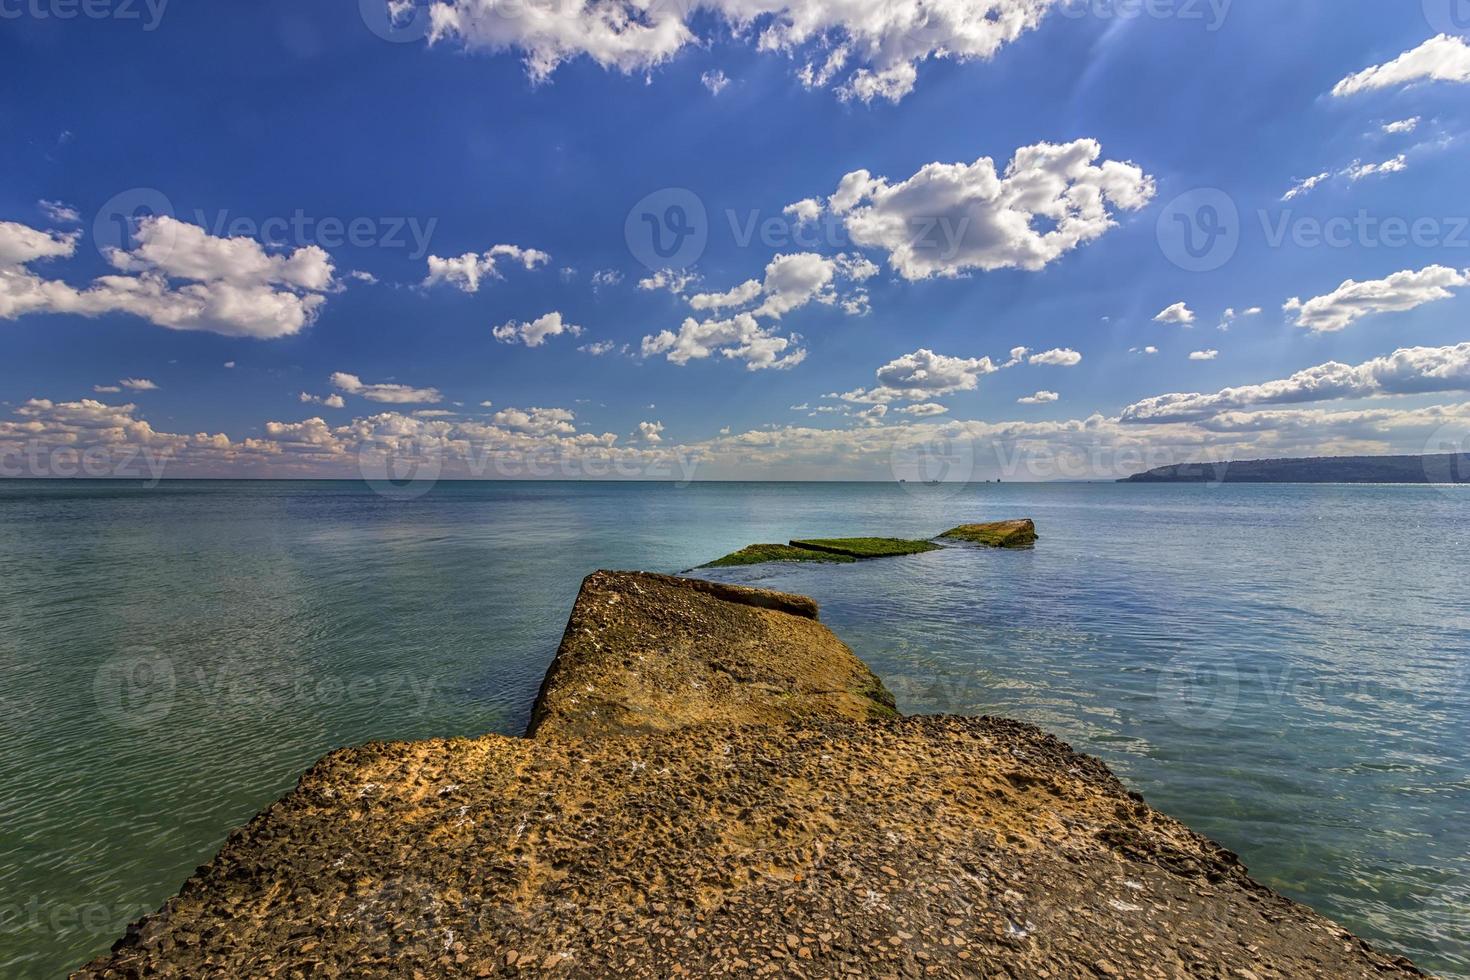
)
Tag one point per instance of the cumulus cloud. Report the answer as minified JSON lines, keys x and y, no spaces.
{"x":950,"y":219}
{"x":804,"y":211}
{"x":1040,"y":398}
{"x":606,"y":277}
{"x":866,"y":51}
{"x":1203,"y":355}
{"x":392,"y":394}
{"x":182,"y":278}
{"x":465,"y":272}
{"x":1439,"y":59}
{"x":1354,"y":300}
{"x":598,"y":348}
{"x":651,"y":431}
{"x":1178,"y":313}
{"x":330,"y":401}
{"x":740,"y":337}
{"x":920,"y":376}
{"x":534,"y":334}
{"x":1407,"y":371}
{"x":1402,"y":126}
{"x":138,"y":384}
{"x":1143,"y":350}
{"x":790,"y":283}
{"x":1060,"y":357}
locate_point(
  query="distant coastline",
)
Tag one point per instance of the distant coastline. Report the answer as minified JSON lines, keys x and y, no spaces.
{"x":1442,"y":468}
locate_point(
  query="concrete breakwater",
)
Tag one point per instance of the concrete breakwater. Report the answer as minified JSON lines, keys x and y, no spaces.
{"x":713,"y":783}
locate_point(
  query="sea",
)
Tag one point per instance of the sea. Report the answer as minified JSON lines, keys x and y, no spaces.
{"x":1284,"y":668}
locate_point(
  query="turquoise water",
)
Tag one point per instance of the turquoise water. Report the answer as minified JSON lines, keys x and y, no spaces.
{"x":1285,"y":668}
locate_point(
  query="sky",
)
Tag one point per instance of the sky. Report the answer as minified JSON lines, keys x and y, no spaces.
{"x":729,"y":239}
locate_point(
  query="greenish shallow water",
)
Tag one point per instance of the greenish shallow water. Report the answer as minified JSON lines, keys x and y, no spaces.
{"x":1285,"y":668}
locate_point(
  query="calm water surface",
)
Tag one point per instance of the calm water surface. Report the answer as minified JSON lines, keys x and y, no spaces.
{"x":1286,"y":669}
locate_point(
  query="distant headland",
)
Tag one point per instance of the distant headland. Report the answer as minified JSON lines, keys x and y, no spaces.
{"x":1442,"y":468}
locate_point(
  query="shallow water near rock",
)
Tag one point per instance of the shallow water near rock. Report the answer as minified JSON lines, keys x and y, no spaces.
{"x":1286,"y":669}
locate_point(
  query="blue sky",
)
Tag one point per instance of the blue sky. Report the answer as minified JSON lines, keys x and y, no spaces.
{"x":248,"y":139}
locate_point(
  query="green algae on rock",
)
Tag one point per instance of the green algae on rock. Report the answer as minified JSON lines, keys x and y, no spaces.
{"x":759,"y":554}
{"x":997,"y":534}
{"x":865,"y":548}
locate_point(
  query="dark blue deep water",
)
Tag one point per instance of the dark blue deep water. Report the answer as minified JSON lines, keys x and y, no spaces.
{"x":1285,"y":668}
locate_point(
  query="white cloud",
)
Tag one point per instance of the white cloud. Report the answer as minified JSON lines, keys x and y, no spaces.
{"x":949,"y":219}
{"x":882,"y":44}
{"x":674,"y":281}
{"x":790,"y":282}
{"x":138,"y":384}
{"x":1203,"y":355}
{"x":1143,"y":350}
{"x":606,"y":277}
{"x":363,"y":277}
{"x":920,"y":376}
{"x":598,"y":348}
{"x":1060,"y":357}
{"x":392,"y":394}
{"x":1178,"y":313}
{"x":466,"y":271}
{"x":1040,"y":398}
{"x":1360,"y":170}
{"x":534,"y":334}
{"x":1230,"y":316}
{"x":925,"y":409}
{"x":1303,"y":186}
{"x":1407,"y":371}
{"x":106,"y":389}
{"x":651,"y":431}
{"x":1402,"y":126}
{"x":537,"y":421}
{"x":60,"y":213}
{"x":740,"y":337}
{"x":1353,"y":300}
{"x":716,"y":81}
{"x":804,"y":211}
{"x":1441,"y":59}
{"x":229,"y":364}
{"x":742,"y":294}
{"x":330,"y":401}
{"x":231,"y":286}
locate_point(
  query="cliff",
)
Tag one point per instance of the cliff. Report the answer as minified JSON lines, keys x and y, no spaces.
{"x":715,"y":784}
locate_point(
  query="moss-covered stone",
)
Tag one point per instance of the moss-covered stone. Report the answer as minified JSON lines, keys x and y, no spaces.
{"x":862,"y":548}
{"x":998,"y":534}
{"x":758,"y":554}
